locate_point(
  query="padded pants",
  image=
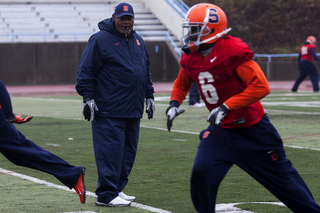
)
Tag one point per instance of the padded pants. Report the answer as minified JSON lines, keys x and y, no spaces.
{"x":259,"y":151}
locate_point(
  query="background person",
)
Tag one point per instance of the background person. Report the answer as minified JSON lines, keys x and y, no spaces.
{"x":307,"y":54}
{"x":23,"y":152}
{"x":114,"y":80}
{"x":240,"y":132}
{"x":194,"y":97}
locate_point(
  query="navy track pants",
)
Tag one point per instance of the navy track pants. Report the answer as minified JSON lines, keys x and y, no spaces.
{"x":115,"y":142}
{"x":307,"y":68}
{"x":259,"y":151}
{"x":194,"y":95}
{"x":23,"y":152}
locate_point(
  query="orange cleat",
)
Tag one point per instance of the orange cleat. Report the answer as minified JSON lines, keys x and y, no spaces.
{"x":80,"y":188}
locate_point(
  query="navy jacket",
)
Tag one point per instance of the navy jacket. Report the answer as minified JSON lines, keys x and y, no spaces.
{"x":114,"y":70}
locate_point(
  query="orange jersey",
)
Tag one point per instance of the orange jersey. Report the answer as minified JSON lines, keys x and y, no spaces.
{"x":227,"y":75}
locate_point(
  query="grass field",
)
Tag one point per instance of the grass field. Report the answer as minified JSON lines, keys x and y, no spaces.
{"x":160,"y":177}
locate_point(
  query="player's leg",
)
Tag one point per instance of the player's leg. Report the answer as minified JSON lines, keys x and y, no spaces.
{"x":264,"y":158}
{"x":108,"y":142}
{"x":301,"y":77}
{"x":23,"y":152}
{"x":194,"y":96}
{"x":314,"y":75}
{"x":130,"y":150}
{"x":209,"y":168}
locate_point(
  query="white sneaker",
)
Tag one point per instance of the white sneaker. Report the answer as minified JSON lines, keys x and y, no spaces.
{"x":197,"y":105}
{"x":117,"y":202}
{"x":126,"y":197}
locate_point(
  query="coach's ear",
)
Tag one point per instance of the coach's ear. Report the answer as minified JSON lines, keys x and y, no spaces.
{"x":18,"y":119}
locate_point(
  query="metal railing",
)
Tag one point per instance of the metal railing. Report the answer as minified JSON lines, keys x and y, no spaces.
{"x":179,"y":6}
{"x":270,"y":56}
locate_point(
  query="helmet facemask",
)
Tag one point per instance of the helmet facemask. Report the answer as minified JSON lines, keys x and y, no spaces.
{"x":193,"y":34}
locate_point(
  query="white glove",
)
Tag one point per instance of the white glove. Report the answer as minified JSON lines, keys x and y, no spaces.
{"x":171,"y":113}
{"x":218,"y":114}
{"x":88,"y":109}
{"x":150,"y":107}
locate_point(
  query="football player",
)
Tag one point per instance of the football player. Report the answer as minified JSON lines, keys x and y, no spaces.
{"x":231,"y":85}
{"x":307,"y":54}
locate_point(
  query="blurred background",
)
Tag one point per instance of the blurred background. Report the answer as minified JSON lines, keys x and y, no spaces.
{"x":41,"y":42}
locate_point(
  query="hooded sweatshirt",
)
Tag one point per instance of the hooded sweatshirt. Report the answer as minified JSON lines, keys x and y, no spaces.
{"x":114,"y":70}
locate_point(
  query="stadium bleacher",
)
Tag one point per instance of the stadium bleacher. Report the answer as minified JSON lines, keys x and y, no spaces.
{"x":67,"y":22}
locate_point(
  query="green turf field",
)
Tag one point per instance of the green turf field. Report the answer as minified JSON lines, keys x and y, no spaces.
{"x":160,"y":177}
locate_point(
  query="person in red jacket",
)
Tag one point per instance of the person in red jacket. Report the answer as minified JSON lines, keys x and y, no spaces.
{"x":231,"y":84}
{"x":306,"y":57}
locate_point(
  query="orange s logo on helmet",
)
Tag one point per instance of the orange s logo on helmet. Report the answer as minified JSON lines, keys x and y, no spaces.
{"x":312,"y":40}
{"x":125,"y":8}
{"x":204,"y":23}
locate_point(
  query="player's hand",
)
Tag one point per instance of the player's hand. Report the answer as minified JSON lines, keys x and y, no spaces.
{"x":89,"y":107}
{"x":150,"y":107}
{"x":218,"y":114}
{"x":18,"y":119}
{"x":172,"y":112}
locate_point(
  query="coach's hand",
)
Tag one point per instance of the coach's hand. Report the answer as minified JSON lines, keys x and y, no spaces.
{"x":218,"y":114}
{"x":172,"y":112}
{"x":89,"y":107}
{"x":18,"y":119}
{"x":150,"y":107}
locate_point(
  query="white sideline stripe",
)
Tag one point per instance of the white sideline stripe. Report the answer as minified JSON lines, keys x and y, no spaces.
{"x":196,"y":133}
{"x":43,"y":182}
{"x":294,"y":112}
{"x":180,"y":131}
{"x":300,"y":147}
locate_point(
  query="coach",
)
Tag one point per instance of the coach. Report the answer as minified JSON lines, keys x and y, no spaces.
{"x":114,"y":80}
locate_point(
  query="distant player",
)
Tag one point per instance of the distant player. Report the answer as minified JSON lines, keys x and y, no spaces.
{"x":231,"y":84}
{"x":306,"y":57}
{"x":23,"y":152}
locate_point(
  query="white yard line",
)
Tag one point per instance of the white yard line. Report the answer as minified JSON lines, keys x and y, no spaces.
{"x":43,"y":182}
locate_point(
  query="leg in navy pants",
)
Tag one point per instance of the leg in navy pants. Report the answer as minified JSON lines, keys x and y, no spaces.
{"x":307,"y":68}
{"x":258,"y":150}
{"x":23,"y":152}
{"x":194,"y":95}
{"x":115,"y":142}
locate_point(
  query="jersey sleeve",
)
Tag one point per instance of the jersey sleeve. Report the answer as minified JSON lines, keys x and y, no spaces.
{"x":257,"y":86}
{"x":181,"y":86}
